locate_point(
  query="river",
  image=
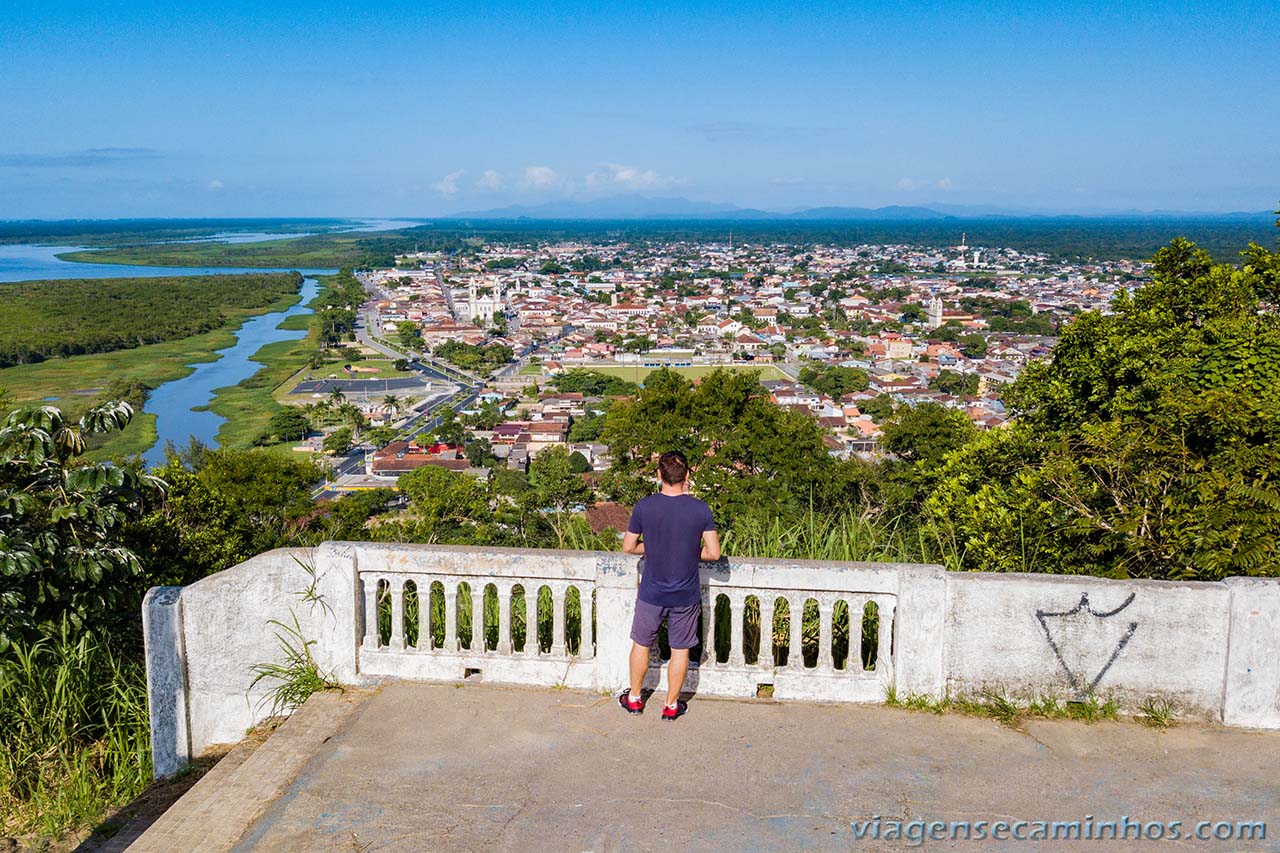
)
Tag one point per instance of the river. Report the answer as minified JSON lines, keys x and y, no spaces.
{"x":172,"y":403}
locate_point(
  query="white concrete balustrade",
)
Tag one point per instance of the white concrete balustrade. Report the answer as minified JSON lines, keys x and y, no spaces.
{"x":367,"y":612}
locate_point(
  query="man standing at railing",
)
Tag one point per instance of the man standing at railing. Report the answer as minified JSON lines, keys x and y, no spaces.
{"x":677,"y":531}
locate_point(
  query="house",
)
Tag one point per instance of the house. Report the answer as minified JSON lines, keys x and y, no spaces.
{"x":400,"y":457}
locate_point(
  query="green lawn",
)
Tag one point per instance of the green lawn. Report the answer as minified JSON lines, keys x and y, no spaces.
{"x":530,"y":370}
{"x":637,"y":374}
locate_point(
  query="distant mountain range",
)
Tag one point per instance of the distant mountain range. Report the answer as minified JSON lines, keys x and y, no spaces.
{"x":648,"y":207}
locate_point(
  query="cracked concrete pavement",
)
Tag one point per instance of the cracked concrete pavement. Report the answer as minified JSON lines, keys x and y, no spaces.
{"x":468,"y":767}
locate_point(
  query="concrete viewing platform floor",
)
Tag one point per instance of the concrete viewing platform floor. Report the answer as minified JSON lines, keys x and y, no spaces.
{"x":416,"y":766}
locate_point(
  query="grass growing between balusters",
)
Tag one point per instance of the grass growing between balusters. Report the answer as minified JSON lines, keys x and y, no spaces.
{"x":865,"y":623}
{"x":74,"y":736}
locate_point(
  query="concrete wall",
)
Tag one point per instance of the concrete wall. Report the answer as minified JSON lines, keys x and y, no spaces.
{"x":1211,"y":648}
{"x":1067,"y":637}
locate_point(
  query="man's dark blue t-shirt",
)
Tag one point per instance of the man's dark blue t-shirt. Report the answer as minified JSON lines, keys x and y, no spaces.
{"x":672,"y":526}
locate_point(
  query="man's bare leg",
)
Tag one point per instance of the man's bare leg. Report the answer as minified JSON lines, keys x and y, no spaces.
{"x":639,"y":666}
{"x":677,"y":668}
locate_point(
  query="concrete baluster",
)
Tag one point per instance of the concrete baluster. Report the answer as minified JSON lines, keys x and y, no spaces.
{"x":424,"y":614}
{"x":764,"y":654}
{"x":451,"y":634}
{"x":477,"y":618}
{"x":557,"y":620}
{"x":586,"y":646}
{"x":370,"y":611}
{"x":737,"y":609}
{"x":826,"y":634}
{"x":708,"y":628}
{"x":504,"y":618}
{"x":395,"y":587}
{"x":884,"y":647}
{"x":531,"y":646}
{"x":795,"y":654}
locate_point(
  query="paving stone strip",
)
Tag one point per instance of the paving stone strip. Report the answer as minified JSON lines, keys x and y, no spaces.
{"x":233,"y":795}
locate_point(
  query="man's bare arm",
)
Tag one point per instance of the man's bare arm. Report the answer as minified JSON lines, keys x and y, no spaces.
{"x":631,"y":543}
{"x":710,"y":546}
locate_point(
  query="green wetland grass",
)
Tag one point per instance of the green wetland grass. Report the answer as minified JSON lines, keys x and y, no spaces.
{"x":74,"y":736}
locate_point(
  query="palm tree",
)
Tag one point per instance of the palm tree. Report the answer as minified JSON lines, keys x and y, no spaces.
{"x":354,"y":417}
{"x":336,"y":397}
{"x":394,"y":403}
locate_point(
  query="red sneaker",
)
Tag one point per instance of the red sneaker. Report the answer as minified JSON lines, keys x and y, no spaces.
{"x":631,"y":706}
{"x":669,"y":713}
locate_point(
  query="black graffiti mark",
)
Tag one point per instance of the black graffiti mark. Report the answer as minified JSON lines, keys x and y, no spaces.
{"x":1083,"y":604}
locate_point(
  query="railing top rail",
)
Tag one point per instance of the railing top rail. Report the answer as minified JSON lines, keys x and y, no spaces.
{"x":480,"y":555}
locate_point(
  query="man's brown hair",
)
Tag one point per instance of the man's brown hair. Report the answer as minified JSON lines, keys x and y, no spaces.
{"x":673,"y":467}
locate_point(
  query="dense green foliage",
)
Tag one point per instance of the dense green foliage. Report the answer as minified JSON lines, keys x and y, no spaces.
{"x":833,"y":380}
{"x":60,"y":524}
{"x":959,"y":384}
{"x":593,"y":383}
{"x":221,"y":508}
{"x":49,"y":319}
{"x":751,"y":457}
{"x":1149,"y":447}
{"x":473,"y":357}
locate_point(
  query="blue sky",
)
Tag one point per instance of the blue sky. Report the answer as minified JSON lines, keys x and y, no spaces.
{"x":404,"y":109}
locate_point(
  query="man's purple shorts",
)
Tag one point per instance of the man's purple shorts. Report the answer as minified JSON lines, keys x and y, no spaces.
{"x":682,"y":624}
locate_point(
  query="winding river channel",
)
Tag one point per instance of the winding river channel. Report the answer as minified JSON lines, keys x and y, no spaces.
{"x":172,"y":403}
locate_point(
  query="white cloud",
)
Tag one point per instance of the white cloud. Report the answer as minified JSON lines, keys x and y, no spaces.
{"x":615,"y":176}
{"x":912,"y":184}
{"x":215,"y":184}
{"x":448,"y":185}
{"x":490,"y":180}
{"x":539,"y":178}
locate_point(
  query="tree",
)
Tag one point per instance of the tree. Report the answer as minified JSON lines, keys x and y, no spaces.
{"x":479,"y":452}
{"x":352,"y":417}
{"x":578,"y":463}
{"x":948,"y":332}
{"x":878,"y":407}
{"x":337,"y":442}
{"x":408,"y":334}
{"x":973,"y":346}
{"x":380,"y":436}
{"x":556,"y":486}
{"x":586,"y":428}
{"x":288,"y":424}
{"x":912,"y":313}
{"x":1149,"y":446}
{"x":926,"y":432}
{"x":450,"y":431}
{"x":750,"y":457}
{"x":127,"y":388}
{"x":349,"y":515}
{"x":958,"y":384}
{"x":62,"y":555}
{"x":394,"y":403}
{"x":444,"y":506}
{"x":834,"y":380}
{"x":593,"y":383}
{"x":221,"y":508}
